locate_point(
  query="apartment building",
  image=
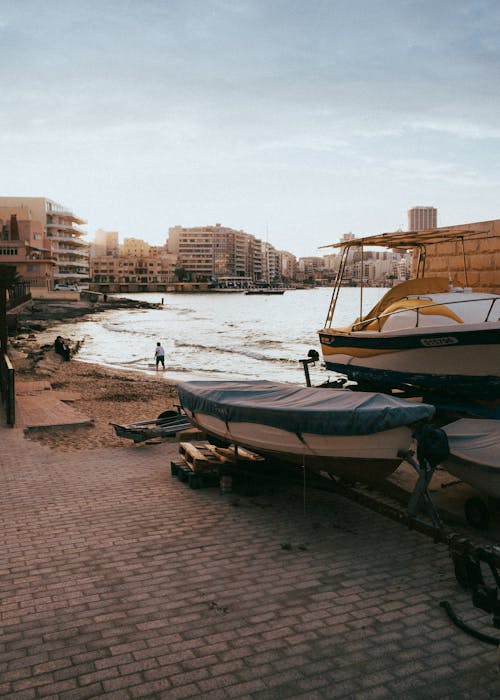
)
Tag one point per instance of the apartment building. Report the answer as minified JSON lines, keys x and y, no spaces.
{"x":104,"y":243}
{"x":135,"y":248}
{"x":288,"y":265}
{"x":60,"y":228}
{"x":137,"y":266}
{"x":23,"y":245}
{"x":214,"y":254}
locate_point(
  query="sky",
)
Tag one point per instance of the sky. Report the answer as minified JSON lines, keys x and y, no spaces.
{"x":293,"y":120}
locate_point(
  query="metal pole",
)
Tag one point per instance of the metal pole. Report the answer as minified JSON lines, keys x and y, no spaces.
{"x":465,"y":261}
{"x":362,"y":282}
{"x":3,"y":319}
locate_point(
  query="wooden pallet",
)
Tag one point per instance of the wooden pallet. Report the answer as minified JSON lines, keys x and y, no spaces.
{"x":198,"y":456}
{"x":195,"y":480}
{"x":202,"y":464}
{"x":233,"y":455}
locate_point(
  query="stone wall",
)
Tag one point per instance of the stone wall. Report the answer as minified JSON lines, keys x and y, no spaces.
{"x":482,"y":255}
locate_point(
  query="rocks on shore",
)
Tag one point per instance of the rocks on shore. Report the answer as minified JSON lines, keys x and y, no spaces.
{"x":44,"y":313}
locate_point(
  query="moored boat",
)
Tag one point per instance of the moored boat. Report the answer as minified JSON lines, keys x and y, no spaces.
{"x":265,"y":290}
{"x":355,"y":435}
{"x":422,"y":333}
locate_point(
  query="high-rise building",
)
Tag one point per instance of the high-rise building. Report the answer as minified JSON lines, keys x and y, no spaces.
{"x":60,"y":230}
{"x":422,"y":218}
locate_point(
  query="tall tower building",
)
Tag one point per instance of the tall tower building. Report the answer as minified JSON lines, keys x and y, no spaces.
{"x":422,"y":218}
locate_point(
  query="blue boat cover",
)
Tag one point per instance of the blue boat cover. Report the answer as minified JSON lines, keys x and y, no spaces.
{"x":320,"y":411}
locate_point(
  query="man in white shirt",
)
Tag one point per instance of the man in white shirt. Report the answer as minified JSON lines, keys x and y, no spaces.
{"x":159,"y":355}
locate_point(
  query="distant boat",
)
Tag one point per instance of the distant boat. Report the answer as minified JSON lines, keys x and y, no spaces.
{"x":422,"y":333}
{"x":355,"y":435}
{"x":265,"y":290}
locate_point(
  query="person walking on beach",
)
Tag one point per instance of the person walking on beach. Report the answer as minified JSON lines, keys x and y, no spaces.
{"x":159,"y":355}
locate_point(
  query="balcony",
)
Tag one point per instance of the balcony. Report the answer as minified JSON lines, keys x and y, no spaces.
{"x":77,"y":245}
{"x":64,"y":214}
{"x":74,"y":253}
{"x":63,"y":227}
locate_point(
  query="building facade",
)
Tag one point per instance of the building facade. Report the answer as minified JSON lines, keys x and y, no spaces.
{"x":136,"y":267}
{"x":216,"y":255}
{"x":104,"y":243}
{"x":60,"y":228}
{"x":23,"y":245}
{"x":422,"y":218}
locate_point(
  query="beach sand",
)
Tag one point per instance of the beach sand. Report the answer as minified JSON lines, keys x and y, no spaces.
{"x":107,"y":396}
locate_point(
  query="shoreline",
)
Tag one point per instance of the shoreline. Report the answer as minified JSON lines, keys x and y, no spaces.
{"x":107,"y":395}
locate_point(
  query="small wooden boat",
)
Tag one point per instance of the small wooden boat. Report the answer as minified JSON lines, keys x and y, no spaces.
{"x":167,"y":424}
{"x":354,"y":435}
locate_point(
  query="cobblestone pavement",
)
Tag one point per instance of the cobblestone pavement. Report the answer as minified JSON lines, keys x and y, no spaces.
{"x":118,"y":581}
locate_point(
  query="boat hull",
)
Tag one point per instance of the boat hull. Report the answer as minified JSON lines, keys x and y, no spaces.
{"x":475,"y":453}
{"x":367,"y":458}
{"x":484,"y":479}
{"x":456,"y":360}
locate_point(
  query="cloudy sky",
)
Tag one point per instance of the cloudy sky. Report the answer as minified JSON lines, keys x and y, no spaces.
{"x":294,"y":120}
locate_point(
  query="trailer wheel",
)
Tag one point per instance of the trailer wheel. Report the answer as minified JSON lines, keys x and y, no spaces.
{"x":168,"y":414}
{"x":477,"y":513}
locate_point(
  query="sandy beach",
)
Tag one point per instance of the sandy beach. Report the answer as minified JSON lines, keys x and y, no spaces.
{"x":105,"y":395}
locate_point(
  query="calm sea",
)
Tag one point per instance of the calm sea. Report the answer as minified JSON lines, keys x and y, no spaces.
{"x":216,"y":336}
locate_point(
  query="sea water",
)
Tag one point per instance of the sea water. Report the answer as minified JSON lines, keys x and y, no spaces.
{"x":216,"y":335}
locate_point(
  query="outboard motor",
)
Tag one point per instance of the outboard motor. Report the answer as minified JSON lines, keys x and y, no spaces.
{"x":432,"y":445}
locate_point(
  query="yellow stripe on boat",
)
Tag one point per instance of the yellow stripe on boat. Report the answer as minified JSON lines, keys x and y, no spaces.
{"x":355,"y":352}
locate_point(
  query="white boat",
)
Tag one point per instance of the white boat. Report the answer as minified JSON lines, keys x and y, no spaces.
{"x":354,"y":435}
{"x":475,"y":453}
{"x":422,"y":333}
{"x":474,"y":458}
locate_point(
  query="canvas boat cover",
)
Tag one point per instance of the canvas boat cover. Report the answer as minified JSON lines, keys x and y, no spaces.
{"x":320,"y":411}
{"x":475,"y":440}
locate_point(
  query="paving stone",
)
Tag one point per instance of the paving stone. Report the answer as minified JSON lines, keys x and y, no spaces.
{"x":117,"y":580}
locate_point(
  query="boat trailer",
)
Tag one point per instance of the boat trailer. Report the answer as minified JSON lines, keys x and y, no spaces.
{"x":467,"y":560}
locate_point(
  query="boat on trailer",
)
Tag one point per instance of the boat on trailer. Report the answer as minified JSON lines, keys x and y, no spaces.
{"x":359,"y":436}
{"x":423,"y":333}
{"x":474,"y":458}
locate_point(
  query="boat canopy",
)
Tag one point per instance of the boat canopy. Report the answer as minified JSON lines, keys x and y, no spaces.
{"x":320,"y":411}
{"x":411,"y":239}
{"x":476,"y":441}
{"x":421,"y":285}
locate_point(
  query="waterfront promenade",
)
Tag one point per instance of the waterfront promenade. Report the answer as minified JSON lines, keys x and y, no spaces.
{"x":118,"y":581}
